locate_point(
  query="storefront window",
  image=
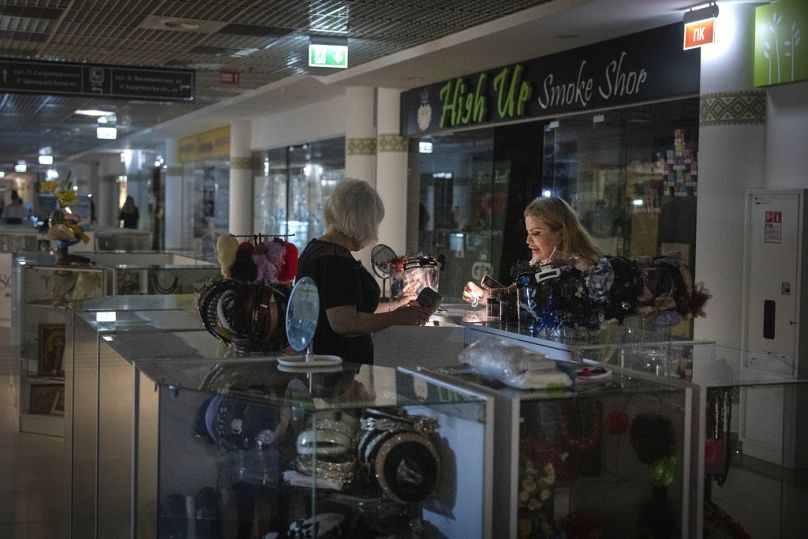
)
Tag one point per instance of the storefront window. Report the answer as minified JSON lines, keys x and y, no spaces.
{"x":291,"y":185}
{"x":629,"y":173}
{"x":631,"y":176}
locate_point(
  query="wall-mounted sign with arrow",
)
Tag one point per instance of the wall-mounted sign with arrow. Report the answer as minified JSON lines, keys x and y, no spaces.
{"x":328,"y":55}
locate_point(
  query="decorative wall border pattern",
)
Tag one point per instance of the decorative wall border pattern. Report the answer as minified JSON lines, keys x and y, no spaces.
{"x":241,"y":163}
{"x":361,"y":146}
{"x":393,"y":143}
{"x":732,"y":108}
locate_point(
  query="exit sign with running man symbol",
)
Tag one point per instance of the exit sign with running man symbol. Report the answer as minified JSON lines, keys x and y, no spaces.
{"x":323,"y":55}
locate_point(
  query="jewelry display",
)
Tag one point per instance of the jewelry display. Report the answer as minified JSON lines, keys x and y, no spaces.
{"x":397,"y":454}
{"x":323,"y":442}
{"x":157,"y":287}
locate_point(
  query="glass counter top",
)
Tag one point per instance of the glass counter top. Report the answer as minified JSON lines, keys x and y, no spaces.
{"x":150,"y":302}
{"x":106,"y":319}
{"x":195,"y":361}
{"x":117,"y":260}
{"x":619,"y":381}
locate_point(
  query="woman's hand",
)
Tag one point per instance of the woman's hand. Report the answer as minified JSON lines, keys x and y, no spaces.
{"x":474,"y":294}
{"x":411,"y":314}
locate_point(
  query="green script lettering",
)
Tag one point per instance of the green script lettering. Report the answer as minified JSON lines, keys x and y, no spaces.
{"x":511,"y":96}
{"x":460,"y":106}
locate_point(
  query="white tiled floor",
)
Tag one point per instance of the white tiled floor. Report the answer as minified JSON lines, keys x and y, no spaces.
{"x":32,"y":488}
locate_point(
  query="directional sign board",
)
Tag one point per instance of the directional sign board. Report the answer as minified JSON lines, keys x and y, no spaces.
{"x":91,"y":80}
{"x":324,"y":55}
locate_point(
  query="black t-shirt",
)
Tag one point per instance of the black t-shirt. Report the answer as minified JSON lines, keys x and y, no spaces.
{"x":341,"y":280}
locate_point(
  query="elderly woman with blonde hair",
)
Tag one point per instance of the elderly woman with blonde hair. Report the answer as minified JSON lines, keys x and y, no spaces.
{"x":350,"y":310}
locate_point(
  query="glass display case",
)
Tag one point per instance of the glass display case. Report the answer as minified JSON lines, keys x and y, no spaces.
{"x":89,"y":429}
{"x":42,"y":296}
{"x":14,"y":239}
{"x":44,"y":291}
{"x":235,"y":446}
{"x":608,"y":458}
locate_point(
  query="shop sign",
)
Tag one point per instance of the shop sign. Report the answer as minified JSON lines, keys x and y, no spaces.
{"x":773,"y":232}
{"x":699,"y":33}
{"x":95,"y":80}
{"x":618,"y":72}
{"x":207,"y":145}
{"x":780,"y":54}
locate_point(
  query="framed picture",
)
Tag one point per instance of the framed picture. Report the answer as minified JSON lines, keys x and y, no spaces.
{"x":51,"y":349}
{"x":43,"y":398}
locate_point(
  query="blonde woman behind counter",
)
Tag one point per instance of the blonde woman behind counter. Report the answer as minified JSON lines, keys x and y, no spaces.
{"x":554,"y":233}
{"x":349,"y":295}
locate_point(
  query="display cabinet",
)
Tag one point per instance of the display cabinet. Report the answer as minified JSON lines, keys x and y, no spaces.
{"x":87,"y":325}
{"x":608,"y":458}
{"x":14,"y":239}
{"x":44,"y":290}
{"x":235,"y":446}
{"x":42,"y":296}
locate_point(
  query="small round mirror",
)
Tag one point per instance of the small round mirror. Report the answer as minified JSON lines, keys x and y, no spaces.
{"x":302,"y":314}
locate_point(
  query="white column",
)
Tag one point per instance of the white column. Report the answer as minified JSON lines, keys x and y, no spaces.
{"x":391,"y":170}
{"x":241,"y":191}
{"x":360,"y":135}
{"x":732,"y":139}
{"x":360,"y":143}
{"x":173,"y":225}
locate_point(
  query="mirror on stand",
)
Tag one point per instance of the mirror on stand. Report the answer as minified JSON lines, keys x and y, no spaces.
{"x":381,"y":257}
{"x":302,"y":312}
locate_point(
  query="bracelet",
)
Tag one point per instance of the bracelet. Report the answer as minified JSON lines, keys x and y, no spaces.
{"x":407,"y":467}
{"x":323,"y":442}
{"x":381,"y":420}
{"x":339,"y":422}
{"x":341,"y":472}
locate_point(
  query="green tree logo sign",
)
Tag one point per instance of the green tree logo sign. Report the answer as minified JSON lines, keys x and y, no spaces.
{"x":779,"y":59}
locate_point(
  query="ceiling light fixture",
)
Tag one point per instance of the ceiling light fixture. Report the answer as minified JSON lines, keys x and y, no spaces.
{"x":21,"y":166}
{"x":45,"y":159}
{"x":708,"y":11}
{"x":93,"y":112}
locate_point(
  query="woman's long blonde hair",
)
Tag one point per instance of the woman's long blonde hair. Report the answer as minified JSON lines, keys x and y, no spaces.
{"x":560,"y":217}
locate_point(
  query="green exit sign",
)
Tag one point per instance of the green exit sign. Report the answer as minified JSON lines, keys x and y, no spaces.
{"x":321,"y":55}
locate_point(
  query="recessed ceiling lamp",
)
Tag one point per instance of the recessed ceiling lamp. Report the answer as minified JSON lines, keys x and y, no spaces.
{"x":21,"y":166}
{"x":93,"y":112}
{"x":106,"y":133}
{"x":45,"y":159}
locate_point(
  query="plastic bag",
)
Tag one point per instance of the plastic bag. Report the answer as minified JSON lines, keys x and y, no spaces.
{"x":515,"y":366}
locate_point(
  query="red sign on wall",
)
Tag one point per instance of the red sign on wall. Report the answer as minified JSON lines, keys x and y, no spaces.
{"x":699,"y":33}
{"x":229,"y":77}
{"x":773,"y":232}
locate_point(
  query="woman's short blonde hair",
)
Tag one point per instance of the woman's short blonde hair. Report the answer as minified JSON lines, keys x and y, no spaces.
{"x":355,"y":210}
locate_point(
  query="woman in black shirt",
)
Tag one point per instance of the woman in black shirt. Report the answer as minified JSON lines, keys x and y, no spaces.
{"x":349,"y":296}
